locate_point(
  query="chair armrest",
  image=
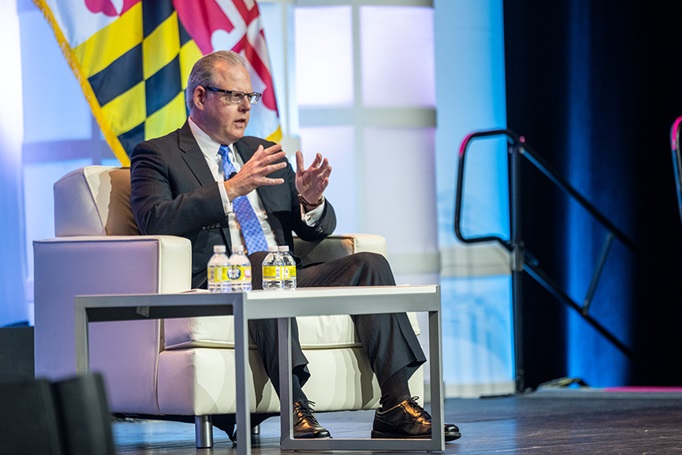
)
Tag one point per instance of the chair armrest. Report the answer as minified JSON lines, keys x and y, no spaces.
{"x":126,"y":352}
{"x":338,"y":246}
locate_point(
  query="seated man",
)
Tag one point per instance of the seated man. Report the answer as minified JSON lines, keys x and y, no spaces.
{"x":211,"y":184}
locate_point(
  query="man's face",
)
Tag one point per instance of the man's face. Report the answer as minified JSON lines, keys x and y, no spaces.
{"x":223,"y":121}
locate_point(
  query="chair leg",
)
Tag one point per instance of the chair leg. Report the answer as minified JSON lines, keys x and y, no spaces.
{"x":255,"y":430}
{"x":203,"y":430}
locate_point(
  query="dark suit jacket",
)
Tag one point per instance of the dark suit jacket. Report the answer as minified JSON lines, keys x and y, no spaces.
{"x":174,"y":193}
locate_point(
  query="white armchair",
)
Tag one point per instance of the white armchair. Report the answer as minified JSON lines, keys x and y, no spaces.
{"x":173,"y":367}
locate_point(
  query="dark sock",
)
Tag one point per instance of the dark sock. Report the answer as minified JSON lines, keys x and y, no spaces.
{"x":395,"y":389}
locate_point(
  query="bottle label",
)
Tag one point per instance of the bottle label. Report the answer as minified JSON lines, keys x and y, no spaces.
{"x":271,"y":272}
{"x":238,"y":273}
{"x":289,"y":272}
{"x":217,"y":274}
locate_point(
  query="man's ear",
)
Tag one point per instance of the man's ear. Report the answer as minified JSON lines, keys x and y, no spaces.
{"x":199,"y":97}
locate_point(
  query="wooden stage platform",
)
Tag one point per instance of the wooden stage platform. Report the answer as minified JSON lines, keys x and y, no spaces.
{"x":554,"y":421}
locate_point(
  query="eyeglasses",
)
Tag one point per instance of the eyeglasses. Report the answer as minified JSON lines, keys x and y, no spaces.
{"x":236,"y":97}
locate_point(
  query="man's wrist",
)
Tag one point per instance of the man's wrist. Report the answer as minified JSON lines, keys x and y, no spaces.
{"x":308,"y":206}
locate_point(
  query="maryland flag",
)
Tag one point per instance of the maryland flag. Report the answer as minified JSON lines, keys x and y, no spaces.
{"x":132,"y":59}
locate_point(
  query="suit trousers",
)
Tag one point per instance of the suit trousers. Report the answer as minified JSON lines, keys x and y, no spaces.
{"x":388,"y":339}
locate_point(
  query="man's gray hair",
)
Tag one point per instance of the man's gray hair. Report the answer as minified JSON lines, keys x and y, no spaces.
{"x":202,"y":71}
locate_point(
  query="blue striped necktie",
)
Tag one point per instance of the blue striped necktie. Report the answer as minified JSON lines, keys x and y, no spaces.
{"x":248,"y":221}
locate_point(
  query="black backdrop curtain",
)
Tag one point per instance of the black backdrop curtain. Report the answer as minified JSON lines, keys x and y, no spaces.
{"x":594,"y":87}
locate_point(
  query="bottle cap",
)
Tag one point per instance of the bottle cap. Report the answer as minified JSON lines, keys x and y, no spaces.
{"x":283,"y":248}
{"x":237,"y":249}
{"x":272,"y":249}
{"x":219,"y":248}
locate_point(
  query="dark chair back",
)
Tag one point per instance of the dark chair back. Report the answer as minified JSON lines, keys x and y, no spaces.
{"x":68,"y":417}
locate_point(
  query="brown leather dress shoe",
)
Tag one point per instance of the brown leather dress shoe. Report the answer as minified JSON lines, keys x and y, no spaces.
{"x":408,"y":420}
{"x":305,"y":423}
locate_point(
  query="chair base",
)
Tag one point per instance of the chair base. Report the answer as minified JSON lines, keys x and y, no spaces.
{"x":203,"y":431}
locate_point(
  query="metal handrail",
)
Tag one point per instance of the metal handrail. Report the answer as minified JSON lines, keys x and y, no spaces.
{"x":511,"y":138}
{"x":675,"y":132}
{"x":521,"y":260}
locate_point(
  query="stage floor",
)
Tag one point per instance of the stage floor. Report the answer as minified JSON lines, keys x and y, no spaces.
{"x":561,"y":421}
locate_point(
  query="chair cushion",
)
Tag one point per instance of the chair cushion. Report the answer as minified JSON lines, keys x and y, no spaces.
{"x":201,"y":381}
{"x":315,"y":332}
{"x":94,"y":200}
{"x":120,"y":219}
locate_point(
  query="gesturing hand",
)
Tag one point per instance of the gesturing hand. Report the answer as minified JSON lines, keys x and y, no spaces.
{"x":255,"y":171}
{"x":312,"y":182}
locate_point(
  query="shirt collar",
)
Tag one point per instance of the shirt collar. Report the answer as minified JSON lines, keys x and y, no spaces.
{"x":208,"y":146}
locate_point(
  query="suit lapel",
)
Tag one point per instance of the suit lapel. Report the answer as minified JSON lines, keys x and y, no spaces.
{"x":193,"y":156}
{"x":195,"y":160}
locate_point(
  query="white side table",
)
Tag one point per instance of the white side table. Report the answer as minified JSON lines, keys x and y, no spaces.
{"x":282,"y":305}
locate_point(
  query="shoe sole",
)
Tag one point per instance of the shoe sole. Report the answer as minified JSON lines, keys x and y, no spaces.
{"x":315,"y":436}
{"x":381,"y":435}
{"x":309,"y":438}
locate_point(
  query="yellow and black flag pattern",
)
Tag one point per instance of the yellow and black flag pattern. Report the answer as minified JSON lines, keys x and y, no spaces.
{"x":133,"y":59}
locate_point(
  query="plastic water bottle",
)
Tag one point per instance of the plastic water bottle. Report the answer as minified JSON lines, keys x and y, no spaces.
{"x":238,"y":271}
{"x":288,"y":268}
{"x":217,"y":270}
{"x":272,"y":269}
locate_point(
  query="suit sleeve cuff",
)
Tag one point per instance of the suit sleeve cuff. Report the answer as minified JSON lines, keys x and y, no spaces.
{"x":312,"y":217}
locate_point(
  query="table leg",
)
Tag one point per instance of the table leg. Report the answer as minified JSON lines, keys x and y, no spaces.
{"x":435,"y":444}
{"x":82,"y":339}
{"x":436,"y":369}
{"x":285,"y":392}
{"x":241,"y":346}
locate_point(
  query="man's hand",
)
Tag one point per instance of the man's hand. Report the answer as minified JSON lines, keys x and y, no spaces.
{"x":255,"y":171}
{"x":312,"y":182}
